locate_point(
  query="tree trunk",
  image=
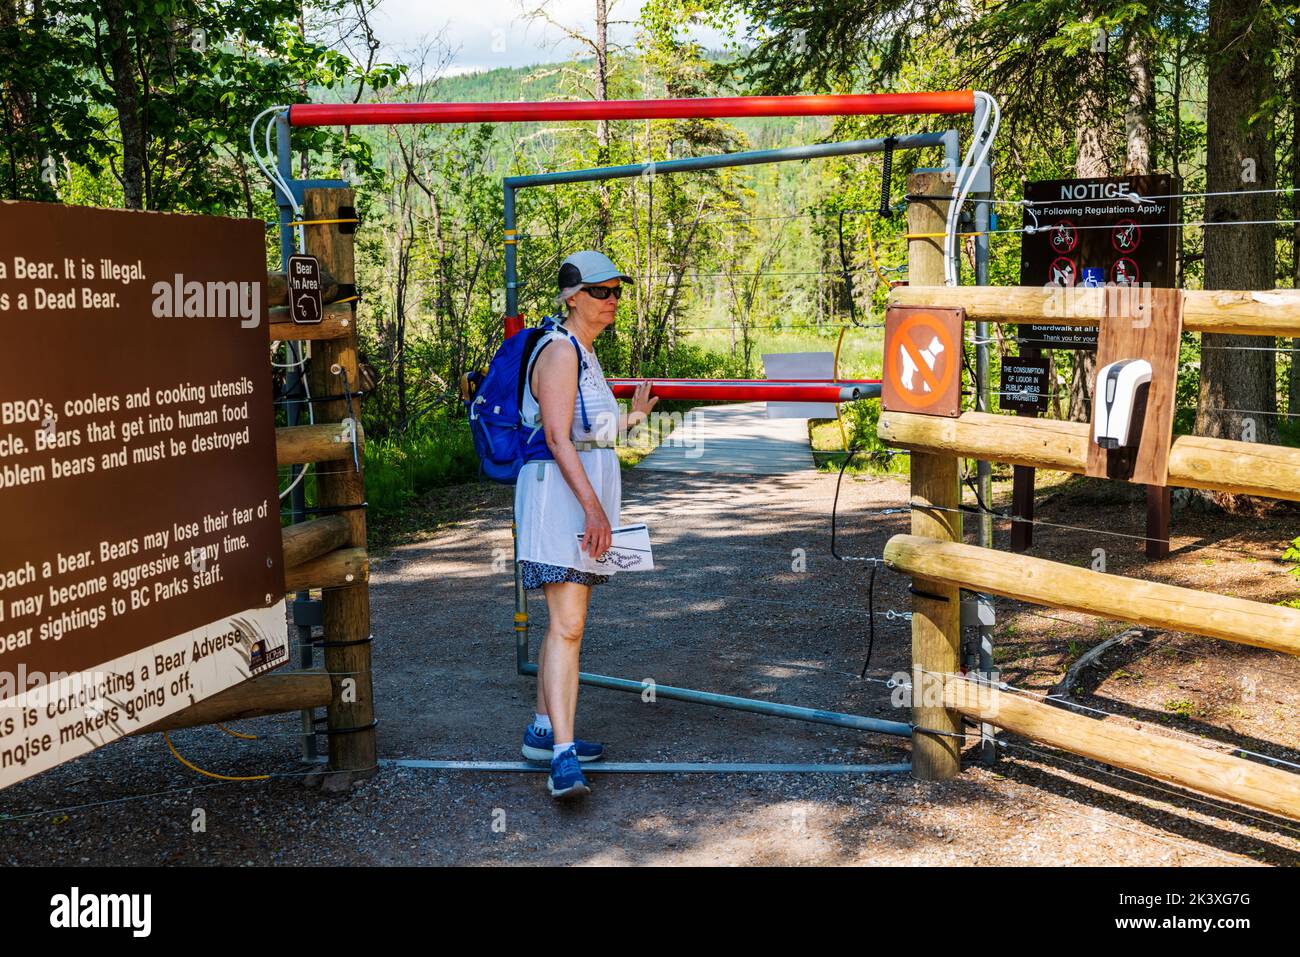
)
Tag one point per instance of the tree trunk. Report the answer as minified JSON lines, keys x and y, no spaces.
{"x":126,"y":100}
{"x":1293,"y":380}
{"x":1140,"y":105}
{"x":302,"y":87}
{"x":20,"y":115}
{"x":602,"y":126}
{"x":1239,"y":155}
{"x":1090,"y":160}
{"x":403,"y":278}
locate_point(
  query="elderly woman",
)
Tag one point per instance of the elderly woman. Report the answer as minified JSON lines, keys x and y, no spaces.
{"x":578,"y":493}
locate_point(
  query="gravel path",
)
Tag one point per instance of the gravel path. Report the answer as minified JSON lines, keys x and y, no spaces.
{"x":726,"y":613}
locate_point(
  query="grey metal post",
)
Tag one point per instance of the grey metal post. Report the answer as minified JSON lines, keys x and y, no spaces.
{"x":294,"y":410}
{"x":949,"y":141}
{"x":984,"y":191}
{"x":511,"y":253}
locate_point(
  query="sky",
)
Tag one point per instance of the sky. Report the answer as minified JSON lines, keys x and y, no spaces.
{"x":485,"y":34}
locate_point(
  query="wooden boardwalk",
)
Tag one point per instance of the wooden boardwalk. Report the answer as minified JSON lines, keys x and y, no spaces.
{"x":734,"y":438}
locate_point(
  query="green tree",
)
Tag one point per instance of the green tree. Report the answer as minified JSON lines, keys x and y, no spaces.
{"x":165,"y":90}
{"x":1087,"y":77}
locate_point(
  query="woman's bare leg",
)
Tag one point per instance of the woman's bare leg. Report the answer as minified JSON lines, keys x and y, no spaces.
{"x":557,"y":659}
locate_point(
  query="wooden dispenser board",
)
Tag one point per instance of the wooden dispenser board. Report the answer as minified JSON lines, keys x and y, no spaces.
{"x":1141,"y":323}
{"x":923,"y":359}
{"x":141,"y":563}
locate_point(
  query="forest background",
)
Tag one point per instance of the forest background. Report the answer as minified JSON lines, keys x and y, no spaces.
{"x":145,"y":104}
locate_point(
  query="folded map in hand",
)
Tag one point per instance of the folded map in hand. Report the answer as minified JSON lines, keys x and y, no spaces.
{"x":629,"y":551}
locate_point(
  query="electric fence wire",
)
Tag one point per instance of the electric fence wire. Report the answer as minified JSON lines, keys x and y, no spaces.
{"x":1031,"y":230}
{"x":1249,"y":349}
{"x":6,"y":818}
{"x":1131,"y":197}
{"x":1031,"y":521}
{"x":980,"y":507}
{"x":1139,"y":198}
{"x":1225,"y":411}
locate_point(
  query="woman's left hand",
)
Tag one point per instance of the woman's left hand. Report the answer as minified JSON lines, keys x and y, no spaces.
{"x":642,"y":400}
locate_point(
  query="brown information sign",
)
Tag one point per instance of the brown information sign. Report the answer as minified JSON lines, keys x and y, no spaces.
{"x":140,"y":552}
{"x":923,"y":356}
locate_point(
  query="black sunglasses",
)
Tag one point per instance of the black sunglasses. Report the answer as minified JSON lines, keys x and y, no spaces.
{"x":603,"y":292}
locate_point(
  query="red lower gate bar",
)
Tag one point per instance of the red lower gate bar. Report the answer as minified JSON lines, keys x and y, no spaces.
{"x":753,"y":390}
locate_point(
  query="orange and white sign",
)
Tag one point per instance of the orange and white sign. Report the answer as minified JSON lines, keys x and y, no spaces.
{"x":923,"y":356}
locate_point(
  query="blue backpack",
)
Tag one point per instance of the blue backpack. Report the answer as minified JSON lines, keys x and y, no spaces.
{"x":494,"y":399}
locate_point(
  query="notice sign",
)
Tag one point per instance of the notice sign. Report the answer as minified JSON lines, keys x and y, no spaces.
{"x":1026,"y":386}
{"x":923,"y":356}
{"x":304,"y":290}
{"x":1119,"y":231}
{"x":140,"y":553}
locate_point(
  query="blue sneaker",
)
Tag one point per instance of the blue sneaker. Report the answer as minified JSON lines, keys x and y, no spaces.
{"x":540,"y":747}
{"x":566,"y":780}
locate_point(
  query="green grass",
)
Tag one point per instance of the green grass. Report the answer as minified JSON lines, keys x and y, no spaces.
{"x":860,"y":355}
{"x":434,"y":452}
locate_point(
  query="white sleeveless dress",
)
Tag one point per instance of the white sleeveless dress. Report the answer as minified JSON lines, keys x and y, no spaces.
{"x":548,"y":516}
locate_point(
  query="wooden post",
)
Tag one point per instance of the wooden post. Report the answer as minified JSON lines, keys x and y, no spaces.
{"x":1159,"y":508}
{"x":333,"y":371}
{"x":936,"y":607}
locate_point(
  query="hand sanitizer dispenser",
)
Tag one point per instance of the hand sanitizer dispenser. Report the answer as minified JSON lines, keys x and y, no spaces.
{"x":1115,"y":400}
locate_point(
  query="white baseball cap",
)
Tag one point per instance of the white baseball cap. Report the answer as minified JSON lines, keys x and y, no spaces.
{"x":587,"y":267}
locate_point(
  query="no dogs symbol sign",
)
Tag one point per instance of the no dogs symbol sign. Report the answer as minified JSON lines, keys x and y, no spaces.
{"x":923,"y":357}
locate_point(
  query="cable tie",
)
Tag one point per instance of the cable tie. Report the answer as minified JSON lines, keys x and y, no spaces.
{"x":912,"y":589}
{"x":354,"y":730}
{"x":326,"y":643}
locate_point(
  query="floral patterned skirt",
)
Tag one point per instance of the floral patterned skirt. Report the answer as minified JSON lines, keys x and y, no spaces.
{"x":537,"y":574}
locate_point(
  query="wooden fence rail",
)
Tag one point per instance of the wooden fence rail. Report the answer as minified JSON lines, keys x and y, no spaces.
{"x":940,"y":564}
{"x":1248,"y":468}
{"x":1044,"y":582}
{"x":1244,"y":313}
{"x":1116,"y":742}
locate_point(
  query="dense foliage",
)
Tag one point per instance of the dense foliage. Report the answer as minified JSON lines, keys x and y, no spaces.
{"x":146,"y":104}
